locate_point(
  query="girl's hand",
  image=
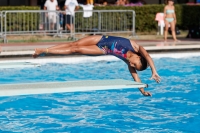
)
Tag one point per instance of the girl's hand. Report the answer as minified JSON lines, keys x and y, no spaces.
{"x":146,"y":93}
{"x":156,"y":77}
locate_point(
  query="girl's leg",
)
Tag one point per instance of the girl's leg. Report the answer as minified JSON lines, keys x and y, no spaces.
{"x":70,"y":47}
{"x":166,"y":30}
{"x":66,"y":45}
{"x":69,"y":27}
{"x":87,"y":41}
{"x":52,"y":51}
{"x":172,"y":24}
{"x":90,"y":50}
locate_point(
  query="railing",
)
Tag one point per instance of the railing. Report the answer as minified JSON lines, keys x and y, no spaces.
{"x":1,"y":22}
{"x":39,"y":22}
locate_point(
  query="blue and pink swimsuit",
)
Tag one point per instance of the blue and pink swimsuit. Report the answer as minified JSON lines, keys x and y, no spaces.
{"x":116,"y":46}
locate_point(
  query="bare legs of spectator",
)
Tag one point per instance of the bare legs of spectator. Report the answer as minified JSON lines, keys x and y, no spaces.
{"x":70,"y":27}
{"x":52,"y":26}
{"x":172,"y":25}
{"x":166,"y":30}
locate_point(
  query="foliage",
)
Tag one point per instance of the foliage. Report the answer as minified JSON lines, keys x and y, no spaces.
{"x":187,"y":15}
{"x":19,"y":21}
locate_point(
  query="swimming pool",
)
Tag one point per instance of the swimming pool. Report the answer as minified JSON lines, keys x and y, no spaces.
{"x":174,"y":106}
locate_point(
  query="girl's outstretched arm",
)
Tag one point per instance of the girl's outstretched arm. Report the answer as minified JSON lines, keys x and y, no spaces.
{"x":144,"y":53}
{"x":137,"y":79}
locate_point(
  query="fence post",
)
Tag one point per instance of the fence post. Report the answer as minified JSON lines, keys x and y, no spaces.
{"x":1,"y":24}
{"x":134,"y":33}
{"x":133,"y":23}
{"x":5,"y":28}
{"x":99,"y":21}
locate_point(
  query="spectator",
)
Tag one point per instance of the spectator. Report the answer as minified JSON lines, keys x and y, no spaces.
{"x":170,"y":19}
{"x":121,"y":2}
{"x":70,"y":6}
{"x":105,"y":3}
{"x":51,"y":5}
{"x":61,"y":18}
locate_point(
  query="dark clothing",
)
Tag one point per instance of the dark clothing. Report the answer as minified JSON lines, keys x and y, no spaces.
{"x":116,"y":46}
{"x":69,"y":19}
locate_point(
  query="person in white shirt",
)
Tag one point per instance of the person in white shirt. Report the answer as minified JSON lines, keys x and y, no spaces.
{"x":70,"y":7}
{"x":51,"y":5}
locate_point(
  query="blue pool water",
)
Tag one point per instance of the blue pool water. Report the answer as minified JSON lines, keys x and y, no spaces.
{"x":174,"y":107}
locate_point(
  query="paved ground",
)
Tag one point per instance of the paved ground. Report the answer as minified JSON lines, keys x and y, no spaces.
{"x":151,"y":45}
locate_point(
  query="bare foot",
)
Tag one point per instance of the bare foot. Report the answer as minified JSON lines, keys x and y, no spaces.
{"x":37,"y":53}
{"x":177,"y":41}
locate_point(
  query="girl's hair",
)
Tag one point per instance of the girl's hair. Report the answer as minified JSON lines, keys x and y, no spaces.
{"x":166,"y":2}
{"x":144,"y":63}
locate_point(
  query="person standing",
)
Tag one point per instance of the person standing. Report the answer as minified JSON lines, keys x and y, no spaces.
{"x":170,"y":19}
{"x":51,"y":5}
{"x":70,"y":7}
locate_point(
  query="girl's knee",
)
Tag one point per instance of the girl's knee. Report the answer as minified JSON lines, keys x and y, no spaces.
{"x":75,"y":49}
{"x":74,"y":44}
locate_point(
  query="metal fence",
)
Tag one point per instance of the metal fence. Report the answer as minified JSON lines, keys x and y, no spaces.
{"x":1,"y":22}
{"x":42,"y":22}
{"x":105,"y":21}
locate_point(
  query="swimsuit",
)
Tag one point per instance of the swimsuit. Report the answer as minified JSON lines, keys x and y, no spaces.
{"x":169,"y":12}
{"x":169,"y":19}
{"x":116,"y":46}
